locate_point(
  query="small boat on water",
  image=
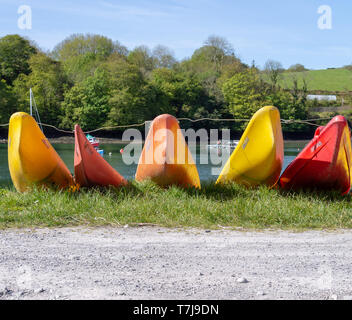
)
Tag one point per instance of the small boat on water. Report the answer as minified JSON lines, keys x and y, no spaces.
{"x":166,"y":158}
{"x":90,"y":167}
{"x":100,"y":151}
{"x":259,"y":155}
{"x":32,"y":159}
{"x":325,"y":163}
{"x":224,"y":145}
{"x":93,"y":141}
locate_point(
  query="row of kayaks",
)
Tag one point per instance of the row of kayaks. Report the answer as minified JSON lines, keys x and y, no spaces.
{"x":324,"y":164}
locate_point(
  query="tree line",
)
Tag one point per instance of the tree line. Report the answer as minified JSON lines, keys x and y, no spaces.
{"x":94,"y":81}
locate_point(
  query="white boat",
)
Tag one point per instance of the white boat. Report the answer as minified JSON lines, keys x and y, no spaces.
{"x":224,"y":145}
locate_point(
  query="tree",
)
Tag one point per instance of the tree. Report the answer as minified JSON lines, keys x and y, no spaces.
{"x":214,"y":60}
{"x":220,"y":50}
{"x":15,"y":53}
{"x":80,"y":67}
{"x":273,"y":69}
{"x":229,"y":70}
{"x":87,"y":103}
{"x":184,"y":96}
{"x":143,"y":59}
{"x":245,"y":94}
{"x":133,"y":99}
{"x":48,"y":83}
{"x":292,"y":105}
{"x":92,"y":80}
{"x":8,"y":102}
{"x":128,"y":108}
{"x":297,"y":68}
{"x":163,"y":57}
{"x":211,"y":57}
{"x":82,"y":54}
{"x":184,"y":92}
{"x":123,"y":73}
{"x":80,"y":44}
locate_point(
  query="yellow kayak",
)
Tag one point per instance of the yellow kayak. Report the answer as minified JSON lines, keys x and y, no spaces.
{"x":259,"y":155}
{"x":32,"y":159}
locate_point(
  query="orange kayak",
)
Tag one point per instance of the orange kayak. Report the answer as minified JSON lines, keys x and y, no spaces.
{"x":90,"y":167}
{"x":166,"y":158}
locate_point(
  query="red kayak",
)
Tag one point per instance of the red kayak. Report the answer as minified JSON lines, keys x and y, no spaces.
{"x":325,"y":163}
{"x":90,"y":167}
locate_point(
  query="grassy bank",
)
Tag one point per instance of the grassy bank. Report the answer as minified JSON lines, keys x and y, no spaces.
{"x":211,"y":207}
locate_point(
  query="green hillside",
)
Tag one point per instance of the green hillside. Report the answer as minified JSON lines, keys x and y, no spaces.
{"x":324,"y":80}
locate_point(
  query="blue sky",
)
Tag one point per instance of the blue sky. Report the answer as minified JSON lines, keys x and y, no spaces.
{"x":286,"y":31}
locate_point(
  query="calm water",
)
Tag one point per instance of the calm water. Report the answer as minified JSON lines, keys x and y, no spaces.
{"x":207,"y":172}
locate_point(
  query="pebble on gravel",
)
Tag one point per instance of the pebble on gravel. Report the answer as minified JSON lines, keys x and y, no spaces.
{"x":242,"y":280}
{"x":7,"y":292}
{"x":41,"y":290}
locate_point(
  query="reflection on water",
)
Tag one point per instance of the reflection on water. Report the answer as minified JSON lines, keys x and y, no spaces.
{"x":208,"y":160}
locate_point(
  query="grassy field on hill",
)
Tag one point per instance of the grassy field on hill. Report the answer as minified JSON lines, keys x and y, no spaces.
{"x":324,"y":80}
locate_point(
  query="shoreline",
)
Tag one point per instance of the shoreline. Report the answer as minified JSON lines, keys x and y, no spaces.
{"x":71,"y":140}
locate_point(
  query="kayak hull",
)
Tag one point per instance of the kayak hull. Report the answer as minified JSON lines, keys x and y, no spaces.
{"x":32,"y":159}
{"x":166,"y":158}
{"x":90,"y":167}
{"x":325,"y":163}
{"x":258,"y":157}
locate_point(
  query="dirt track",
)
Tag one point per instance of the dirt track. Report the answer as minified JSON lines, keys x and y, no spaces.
{"x":157,"y":263}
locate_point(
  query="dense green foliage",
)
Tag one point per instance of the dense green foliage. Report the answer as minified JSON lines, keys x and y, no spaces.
{"x":94,"y":81}
{"x":48,"y":83}
{"x":86,"y":102}
{"x":213,"y":206}
{"x":14,"y":55}
{"x":7,"y":101}
{"x":244,"y":93}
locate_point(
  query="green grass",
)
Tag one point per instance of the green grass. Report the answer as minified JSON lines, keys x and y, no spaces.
{"x":211,"y":207}
{"x":324,"y":80}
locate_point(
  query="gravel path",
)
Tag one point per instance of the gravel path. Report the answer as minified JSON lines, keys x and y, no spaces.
{"x":158,"y":263}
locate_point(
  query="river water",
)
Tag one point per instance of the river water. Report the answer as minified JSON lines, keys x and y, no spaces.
{"x":208,"y":168}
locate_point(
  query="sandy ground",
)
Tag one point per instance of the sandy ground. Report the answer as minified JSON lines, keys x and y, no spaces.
{"x":158,"y":263}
